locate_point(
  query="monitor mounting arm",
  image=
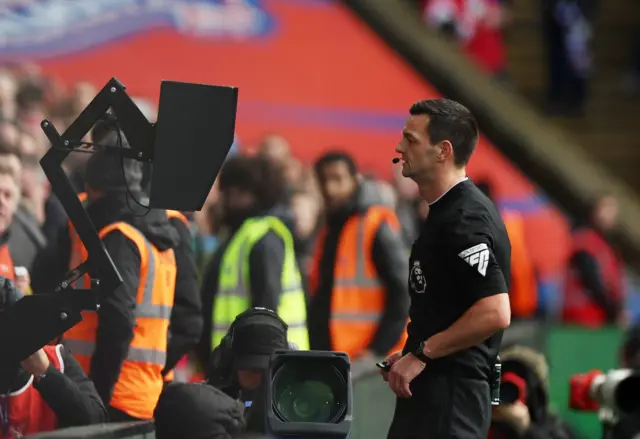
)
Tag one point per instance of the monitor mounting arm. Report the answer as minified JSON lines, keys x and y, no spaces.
{"x":139,"y":133}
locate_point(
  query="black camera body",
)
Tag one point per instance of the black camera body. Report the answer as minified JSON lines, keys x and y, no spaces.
{"x":309,"y":394}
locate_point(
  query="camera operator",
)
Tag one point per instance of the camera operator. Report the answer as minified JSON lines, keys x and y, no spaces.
{"x":523,"y":411}
{"x":238,"y":365}
{"x":629,"y":424}
{"x":229,"y":403}
{"x":49,"y":390}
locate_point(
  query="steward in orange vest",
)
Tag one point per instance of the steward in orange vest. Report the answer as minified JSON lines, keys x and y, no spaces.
{"x":123,"y":346}
{"x":48,"y":391}
{"x":523,"y":291}
{"x":594,"y":285}
{"x":358,"y":278}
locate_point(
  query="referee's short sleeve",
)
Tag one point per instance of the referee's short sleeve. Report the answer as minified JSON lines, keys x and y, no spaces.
{"x":473,"y":260}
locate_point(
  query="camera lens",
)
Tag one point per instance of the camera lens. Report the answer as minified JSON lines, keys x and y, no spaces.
{"x":303,"y":392}
{"x":509,"y":393}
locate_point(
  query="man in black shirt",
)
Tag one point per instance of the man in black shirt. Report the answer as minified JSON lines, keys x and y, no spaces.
{"x":458,"y":281}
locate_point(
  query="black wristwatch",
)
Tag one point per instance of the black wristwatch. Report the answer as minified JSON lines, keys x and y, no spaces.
{"x":419,"y":353}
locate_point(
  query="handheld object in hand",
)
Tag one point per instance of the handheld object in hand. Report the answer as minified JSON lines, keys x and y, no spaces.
{"x":384,"y":366}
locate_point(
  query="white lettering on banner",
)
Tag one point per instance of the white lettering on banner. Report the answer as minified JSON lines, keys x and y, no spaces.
{"x":477,"y":256}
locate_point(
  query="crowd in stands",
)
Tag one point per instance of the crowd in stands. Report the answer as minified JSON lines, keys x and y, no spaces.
{"x":482,"y":29}
{"x":327,"y":247}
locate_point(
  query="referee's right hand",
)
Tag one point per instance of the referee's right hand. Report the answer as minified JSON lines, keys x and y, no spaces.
{"x":390,"y":360}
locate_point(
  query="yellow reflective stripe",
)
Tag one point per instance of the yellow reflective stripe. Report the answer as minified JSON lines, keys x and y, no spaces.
{"x":147,"y":308}
{"x":142,"y":355}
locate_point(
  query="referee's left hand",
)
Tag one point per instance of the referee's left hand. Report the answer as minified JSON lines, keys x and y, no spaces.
{"x":402,"y":373}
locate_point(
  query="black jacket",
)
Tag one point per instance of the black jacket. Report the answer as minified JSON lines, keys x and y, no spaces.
{"x":186,"y":318}
{"x":70,"y":393}
{"x":391,"y":261}
{"x":265,"y":270}
{"x":197,"y":411}
{"x":116,"y":315}
{"x":26,"y":239}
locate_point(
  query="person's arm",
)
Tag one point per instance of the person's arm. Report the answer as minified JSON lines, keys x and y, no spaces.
{"x":589,"y":272}
{"x":207,"y":295}
{"x":71,"y":394}
{"x":482,"y":284}
{"x":186,"y":316}
{"x":265,"y":271}
{"x":391,"y":263}
{"x":116,"y":316}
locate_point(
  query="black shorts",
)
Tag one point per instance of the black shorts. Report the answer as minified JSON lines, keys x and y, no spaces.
{"x":443,"y":406}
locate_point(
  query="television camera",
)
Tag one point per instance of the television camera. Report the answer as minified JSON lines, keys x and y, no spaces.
{"x":611,"y":394}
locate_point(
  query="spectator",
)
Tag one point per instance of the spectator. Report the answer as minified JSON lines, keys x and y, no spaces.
{"x":48,"y":390}
{"x":477,"y":25}
{"x":567,"y":32}
{"x":359,"y":298}
{"x":594,"y":289}
{"x":9,"y":198}
{"x":8,"y":92}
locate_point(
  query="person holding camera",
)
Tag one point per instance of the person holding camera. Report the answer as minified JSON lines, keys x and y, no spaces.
{"x":230,"y":401}
{"x":524,"y":397}
{"x":49,"y":390}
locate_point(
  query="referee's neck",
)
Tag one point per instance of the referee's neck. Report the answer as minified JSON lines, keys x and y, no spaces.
{"x":433,"y":190}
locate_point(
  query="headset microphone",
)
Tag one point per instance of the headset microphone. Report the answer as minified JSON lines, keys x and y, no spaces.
{"x":395,"y":160}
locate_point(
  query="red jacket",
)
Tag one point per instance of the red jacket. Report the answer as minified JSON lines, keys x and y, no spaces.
{"x":28,"y":413}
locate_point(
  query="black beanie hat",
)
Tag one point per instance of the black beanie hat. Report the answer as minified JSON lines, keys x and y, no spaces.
{"x":108,"y":171}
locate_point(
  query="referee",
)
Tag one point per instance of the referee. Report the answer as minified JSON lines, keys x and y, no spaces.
{"x":459,"y":283}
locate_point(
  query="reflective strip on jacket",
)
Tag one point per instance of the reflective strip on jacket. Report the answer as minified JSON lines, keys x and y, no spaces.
{"x":234,"y":292}
{"x":578,"y":307}
{"x":140,"y":382}
{"x":358,"y":297}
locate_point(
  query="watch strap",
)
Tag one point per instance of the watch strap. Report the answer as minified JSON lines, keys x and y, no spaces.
{"x":419,"y":353}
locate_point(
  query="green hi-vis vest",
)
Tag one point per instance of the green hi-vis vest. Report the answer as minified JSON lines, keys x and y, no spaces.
{"x":234,"y":291}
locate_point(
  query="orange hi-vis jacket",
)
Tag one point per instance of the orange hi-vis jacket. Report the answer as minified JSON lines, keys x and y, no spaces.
{"x":578,"y":308}
{"x":358,"y":297}
{"x":28,"y":413}
{"x":523,"y":293}
{"x":140,"y":382}
{"x":76,"y":252}
{"x":7,"y":270}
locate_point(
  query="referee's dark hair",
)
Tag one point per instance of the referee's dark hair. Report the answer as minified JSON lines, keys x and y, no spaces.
{"x":452,"y":121}
{"x":257,"y":175}
{"x":335,"y":157}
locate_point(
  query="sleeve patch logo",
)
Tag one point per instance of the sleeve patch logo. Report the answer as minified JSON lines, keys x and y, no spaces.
{"x":477,"y":256}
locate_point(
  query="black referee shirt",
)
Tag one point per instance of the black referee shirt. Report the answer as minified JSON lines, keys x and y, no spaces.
{"x":462,"y":255}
